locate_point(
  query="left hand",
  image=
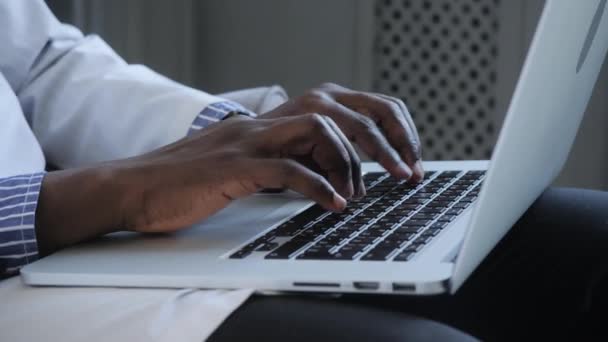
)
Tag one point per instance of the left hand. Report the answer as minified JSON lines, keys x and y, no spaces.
{"x":379,"y":124}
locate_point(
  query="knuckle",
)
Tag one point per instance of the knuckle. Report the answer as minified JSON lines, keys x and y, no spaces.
{"x":393,"y":107}
{"x":399,"y":102}
{"x":416,"y":149}
{"x":366,"y":124}
{"x":328,"y":85}
{"x":313,"y":98}
{"x":316,"y":121}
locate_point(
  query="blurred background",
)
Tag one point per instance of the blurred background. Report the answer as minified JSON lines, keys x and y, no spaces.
{"x":454,"y":62}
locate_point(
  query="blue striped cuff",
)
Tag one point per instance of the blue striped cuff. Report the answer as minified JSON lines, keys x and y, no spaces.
{"x":18,"y":202}
{"x":216,"y":112}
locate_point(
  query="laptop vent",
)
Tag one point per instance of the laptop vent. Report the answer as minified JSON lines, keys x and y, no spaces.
{"x":439,"y":56}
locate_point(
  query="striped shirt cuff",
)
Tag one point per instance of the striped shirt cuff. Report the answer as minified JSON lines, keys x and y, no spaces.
{"x":18,"y":201}
{"x":216,"y":112}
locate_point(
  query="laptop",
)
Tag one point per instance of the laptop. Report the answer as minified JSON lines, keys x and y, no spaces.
{"x":401,"y":238}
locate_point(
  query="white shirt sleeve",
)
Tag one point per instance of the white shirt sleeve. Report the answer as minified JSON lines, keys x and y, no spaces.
{"x":83,"y":102}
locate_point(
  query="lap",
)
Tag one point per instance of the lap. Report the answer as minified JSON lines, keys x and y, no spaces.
{"x":308,"y":318}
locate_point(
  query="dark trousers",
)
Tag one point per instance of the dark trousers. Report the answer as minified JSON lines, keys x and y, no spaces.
{"x":547,"y":279}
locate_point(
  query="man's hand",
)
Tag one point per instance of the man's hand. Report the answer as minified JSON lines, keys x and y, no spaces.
{"x":187,"y":181}
{"x":182,"y":183}
{"x":381,"y":125}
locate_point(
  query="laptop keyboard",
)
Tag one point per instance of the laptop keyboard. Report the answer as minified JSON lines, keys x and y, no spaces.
{"x":393,"y":222}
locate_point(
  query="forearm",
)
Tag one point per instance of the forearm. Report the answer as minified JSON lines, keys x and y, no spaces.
{"x":77,"y":205}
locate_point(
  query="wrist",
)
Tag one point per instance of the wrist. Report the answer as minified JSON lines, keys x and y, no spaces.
{"x":77,"y":205}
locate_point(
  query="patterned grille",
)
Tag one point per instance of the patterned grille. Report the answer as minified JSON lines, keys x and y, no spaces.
{"x":439,"y":56}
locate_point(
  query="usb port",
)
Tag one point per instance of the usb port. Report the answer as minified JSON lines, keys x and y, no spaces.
{"x":404,"y":287}
{"x":366,"y":285}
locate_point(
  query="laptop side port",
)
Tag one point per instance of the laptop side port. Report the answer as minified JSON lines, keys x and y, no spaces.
{"x":404,"y":287}
{"x":310,"y":284}
{"x":366,"y":285}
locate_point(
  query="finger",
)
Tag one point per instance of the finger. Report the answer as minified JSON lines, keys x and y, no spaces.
{"x":287,"y":173}
{"x":364,"y":131}
{"x":311,"y":135}
{"x":418,"y":169}
{"x":391,"y":118}
{"x":355,"y":162}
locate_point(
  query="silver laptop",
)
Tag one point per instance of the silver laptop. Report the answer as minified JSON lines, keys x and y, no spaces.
{"x":401,"y":238}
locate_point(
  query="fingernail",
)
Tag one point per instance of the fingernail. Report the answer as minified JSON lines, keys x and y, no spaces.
{"x":403,"y":170}
{"x":339,"y":202}
{"x":418,"y":170}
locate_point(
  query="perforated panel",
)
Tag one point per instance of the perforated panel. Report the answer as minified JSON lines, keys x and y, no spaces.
{"x":439,"y":56}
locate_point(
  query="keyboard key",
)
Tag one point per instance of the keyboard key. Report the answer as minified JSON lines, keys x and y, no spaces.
{"x":388,"y":221}
{"x":388,"y":244}
{"x":411,"y":230}
{"x":430,"y":210}
{"x":319,"y":229}
{"x":461,"y":205}
{"x":286,"y":230}
{"x":240,"y":254}
{"x":415,"y":200}
{"x":395,"y":242}
{"x":376,"y":255}
{"x":458,"y":188}
{"x":362,"y":240}
{"x":417,"y":246}
{"x":337,"y":235}
{"x":438,"y":182}
{"x":454,"y":211}
{"x":446,"y":218}
{"x":440,"y":225}
{"x":391,"y":181}
{"x":368,"y":215}
{"x":344,"y":255}
{"x":468,"y":198}
{"x":437,"y":203}
{"x":398,"y":214}
{"x":430,"y":232}
{"x":405,"y":255}
{"x":349,"y":210}
{"x":286,"y":250}
{"x":421,"y":195}
{"x":315,"y":255}
{"x":297,"y":223}
{"x":424,"y":216}
{"x":407,"y":207}
{"x":422,"y":240}
{"x":379,"y":229}
{"x":372,"y":233}
{"x":416,"y":223}
{"x":267,"y":247}
{"x":448,"y":174}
